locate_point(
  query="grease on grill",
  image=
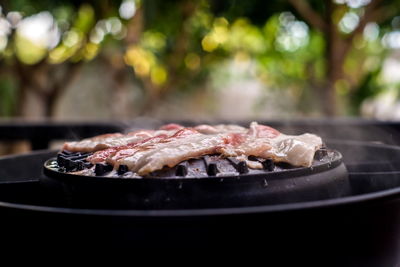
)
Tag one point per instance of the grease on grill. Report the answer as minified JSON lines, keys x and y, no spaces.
{"x":209,"y":165}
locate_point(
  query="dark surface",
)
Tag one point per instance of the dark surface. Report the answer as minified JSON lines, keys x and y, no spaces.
{"x":325,"y":179}
{"x":361,"y":230}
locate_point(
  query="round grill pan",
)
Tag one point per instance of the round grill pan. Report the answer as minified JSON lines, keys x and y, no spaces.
{"x":193,"y":186}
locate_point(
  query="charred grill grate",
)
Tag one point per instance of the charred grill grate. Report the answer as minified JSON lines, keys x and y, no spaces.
{"x":69,"y":161}
{"x":206,"y":166}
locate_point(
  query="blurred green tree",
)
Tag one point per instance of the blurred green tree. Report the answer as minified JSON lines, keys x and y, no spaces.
{"x":342,"y":24}
{"x":317,"y":49}
{"x":46,"y":43}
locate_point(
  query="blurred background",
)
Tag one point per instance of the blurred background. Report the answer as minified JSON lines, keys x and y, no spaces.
{"x":183,"y":59}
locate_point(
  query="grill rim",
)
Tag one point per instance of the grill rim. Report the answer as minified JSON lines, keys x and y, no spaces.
{"x":345,"y":202}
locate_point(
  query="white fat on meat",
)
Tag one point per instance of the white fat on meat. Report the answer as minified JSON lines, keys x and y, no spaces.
{"x":266,"y":142}
{"x":101,"y":156}
{"x":220,"y":128}
{"x":147,"y":145}
{"x":297,"y":150}
{"x":242,"y":144}
{"x":91,"y":144}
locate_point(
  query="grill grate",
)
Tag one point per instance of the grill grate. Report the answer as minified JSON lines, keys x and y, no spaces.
{"x":206,"y":166}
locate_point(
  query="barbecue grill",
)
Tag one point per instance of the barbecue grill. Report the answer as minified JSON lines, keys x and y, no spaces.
{"x":358,"y":228}
{"x":206,"y":182}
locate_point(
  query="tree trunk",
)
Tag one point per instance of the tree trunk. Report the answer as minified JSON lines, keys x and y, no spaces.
{"x":40,"y":90}
{"x":337,"y":45}
{"x":158,"y":94}
{"x":31,"y":105}
{"x":336,"y":52}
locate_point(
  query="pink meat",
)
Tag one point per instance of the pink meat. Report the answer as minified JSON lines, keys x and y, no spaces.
{"x":171,"y":126}
{"x":262,"y":131}
{"x":149,"y":145}
{"x":89,"y":144}
{"x":102,"y":155}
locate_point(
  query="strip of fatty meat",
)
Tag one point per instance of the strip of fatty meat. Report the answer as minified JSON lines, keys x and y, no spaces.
{"x":297,"y":150}
{"x":208,"y":129}
{"x":171,"y":126}
{"x":221,"y":128}
{"x":170,"y":151}
{"x":187,"y":144}
{"x":266,"y":142}
{"x":111,"y":140}
{"x":89,"y":144}
{"x":102,"y":155}
{"x":237,"y":145}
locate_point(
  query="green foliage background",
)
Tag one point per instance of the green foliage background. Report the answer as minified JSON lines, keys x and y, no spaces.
{"x":175,"y":45}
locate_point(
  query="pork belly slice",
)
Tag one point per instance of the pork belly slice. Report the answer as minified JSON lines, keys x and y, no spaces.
{"x":171,"y":152}
{"x":297,"y":150}
{"x":221,"y":128}
{"x":171,"y":126}
{"x":238,"y":145}
{"x":266,"y":142}
{"x":262,"y":131}
{"x":89,"y":144}
{"x":111,"y":140}
{"x":112,"y":154}
{"x":138,"y":150}
{"x":102,"y":155}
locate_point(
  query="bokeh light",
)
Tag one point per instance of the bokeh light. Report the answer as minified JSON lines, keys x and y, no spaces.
{"x":293,"y":34}
{"x":349,"y":22}
{"x":127,"y":9}
{"x":173,"y":47}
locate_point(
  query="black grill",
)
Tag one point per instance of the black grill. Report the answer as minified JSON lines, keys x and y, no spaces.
{"x":207,"y":182}
{"x":361,"y":229}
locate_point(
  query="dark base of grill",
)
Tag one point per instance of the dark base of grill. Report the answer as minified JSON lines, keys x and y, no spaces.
{"x":358,"y":230}
{"x":326,"y":179}
{"x":215,"y":193}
